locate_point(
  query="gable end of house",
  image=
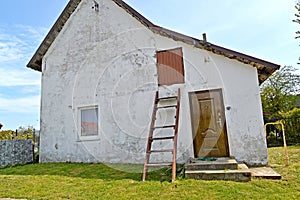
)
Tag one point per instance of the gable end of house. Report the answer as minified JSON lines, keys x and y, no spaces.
{"x":36,"y":61}
{"x":264,"y":68}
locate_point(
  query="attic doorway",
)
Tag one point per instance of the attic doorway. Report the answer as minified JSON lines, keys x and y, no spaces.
{"x":208,"y":124}
{"x":170,"y":66}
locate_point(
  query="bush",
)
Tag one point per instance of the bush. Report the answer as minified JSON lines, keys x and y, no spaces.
{"x":20,"y":134}
{"x":6,"y":135}
{"x":291,"y":121}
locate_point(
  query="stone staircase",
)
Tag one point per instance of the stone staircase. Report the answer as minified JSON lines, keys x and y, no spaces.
{"x":217,"y":169}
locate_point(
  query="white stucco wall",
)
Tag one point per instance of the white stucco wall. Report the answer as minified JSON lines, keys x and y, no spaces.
{"x":107,"y":59}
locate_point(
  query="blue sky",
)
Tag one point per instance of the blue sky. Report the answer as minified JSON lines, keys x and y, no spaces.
{"x":263,"y":29}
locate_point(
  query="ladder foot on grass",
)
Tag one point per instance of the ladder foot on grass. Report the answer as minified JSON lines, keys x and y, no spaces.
{"x":151,"y":139}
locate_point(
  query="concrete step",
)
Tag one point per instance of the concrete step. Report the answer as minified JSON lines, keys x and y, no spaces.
{"x":240,"y":175}
{"x":264,"y":172}
{"x":218,"y":164}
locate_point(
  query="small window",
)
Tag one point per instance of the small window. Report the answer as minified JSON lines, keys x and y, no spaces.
{"x":89,"y":121}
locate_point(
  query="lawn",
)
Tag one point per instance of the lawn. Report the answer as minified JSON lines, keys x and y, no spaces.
{"x":99,"y":181}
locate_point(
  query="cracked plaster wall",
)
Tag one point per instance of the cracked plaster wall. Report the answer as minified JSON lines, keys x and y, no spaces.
{"x":107,"y":59}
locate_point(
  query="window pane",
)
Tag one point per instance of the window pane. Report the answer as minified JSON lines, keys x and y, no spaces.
{"x":89,"y":122}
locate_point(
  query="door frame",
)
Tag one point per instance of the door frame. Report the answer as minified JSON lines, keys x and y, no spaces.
{"x":223,"y":106}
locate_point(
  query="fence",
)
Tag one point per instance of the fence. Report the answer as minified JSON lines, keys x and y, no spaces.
{"x":23,"y":134}
{"x":14,"y":152}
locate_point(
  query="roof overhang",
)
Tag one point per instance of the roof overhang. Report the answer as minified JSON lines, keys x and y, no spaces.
{"x":264,"y":68}
{"x":36,"y":61}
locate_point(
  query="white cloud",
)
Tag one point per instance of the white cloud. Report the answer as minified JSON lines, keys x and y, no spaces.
{"x":20,"y":105}
{"x":17,"y":44}
{"x":18,"y":77}
{"x":36,"y":33}
{"x":30,"y":89}
{"x":11,"y":48}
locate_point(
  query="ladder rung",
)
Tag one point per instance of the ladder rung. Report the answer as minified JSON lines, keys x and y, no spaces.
{"x":167,"y":98}
{"x":163,"y":138}
{"x":159,"y":127}
{"x":158,"y":164}
{"x":161,"y":151}
{"x":162,"y":107}
{"x":157,"y":105}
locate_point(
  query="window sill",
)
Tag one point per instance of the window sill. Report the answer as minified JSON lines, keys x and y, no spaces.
{"x":88,"y":139}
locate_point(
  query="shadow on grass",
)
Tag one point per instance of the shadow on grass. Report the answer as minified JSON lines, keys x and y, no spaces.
{"x":88,"y":171}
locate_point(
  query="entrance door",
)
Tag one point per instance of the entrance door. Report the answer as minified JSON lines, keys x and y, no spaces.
{"x":208,"y":123}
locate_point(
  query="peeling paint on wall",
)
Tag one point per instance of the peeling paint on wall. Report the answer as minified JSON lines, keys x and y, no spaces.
{"x":99,"y":61}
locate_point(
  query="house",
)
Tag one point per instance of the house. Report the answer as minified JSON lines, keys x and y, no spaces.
{"x":102,"y":63}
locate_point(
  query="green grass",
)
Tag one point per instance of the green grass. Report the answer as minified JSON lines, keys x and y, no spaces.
{"x":99,"y":181}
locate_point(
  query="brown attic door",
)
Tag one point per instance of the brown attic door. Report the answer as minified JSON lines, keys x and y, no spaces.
{"x":170,"y":66}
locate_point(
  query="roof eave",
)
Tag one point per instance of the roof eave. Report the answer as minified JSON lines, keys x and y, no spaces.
{"x":36,"y":61}
{"x":265,"y":68}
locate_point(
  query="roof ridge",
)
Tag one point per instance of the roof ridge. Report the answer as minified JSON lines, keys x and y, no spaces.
{"x":265,"y":68}
{"x":134,"y":13}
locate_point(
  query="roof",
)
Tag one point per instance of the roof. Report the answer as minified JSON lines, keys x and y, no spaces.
{"x":265,"y":68}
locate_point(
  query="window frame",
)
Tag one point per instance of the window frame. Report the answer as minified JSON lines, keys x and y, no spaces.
{"x":79,"y":127}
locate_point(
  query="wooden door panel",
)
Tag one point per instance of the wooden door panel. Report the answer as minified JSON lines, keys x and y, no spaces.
{"x":170,"y":66}
{"x":206,"y":117}
{"x":208,"y":123}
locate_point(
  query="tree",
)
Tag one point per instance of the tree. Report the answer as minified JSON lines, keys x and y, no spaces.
{"x":24,"y":133}
{"x":279,"y":92}
{"x":21,"y":133}
{"x":292,"y":125}
{"x":297,"y":20}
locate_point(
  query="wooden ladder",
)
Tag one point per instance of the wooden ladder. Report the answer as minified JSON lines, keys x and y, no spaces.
{"x":174,"y":137}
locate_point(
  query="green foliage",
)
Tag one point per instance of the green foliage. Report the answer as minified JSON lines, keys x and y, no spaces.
{"x":279,"y":96}
{"x":273,"y":140}
{"x":291,"y":123}
{"x":21,"y":133}
{"x":98,"y":181}
{"x":25,"y":133}
{"x":6,"y":135}
{"x":278,"y":93}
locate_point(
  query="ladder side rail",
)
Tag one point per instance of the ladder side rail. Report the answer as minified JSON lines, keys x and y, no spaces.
{"x":149,"y":143}
{"x":176,"y":137}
